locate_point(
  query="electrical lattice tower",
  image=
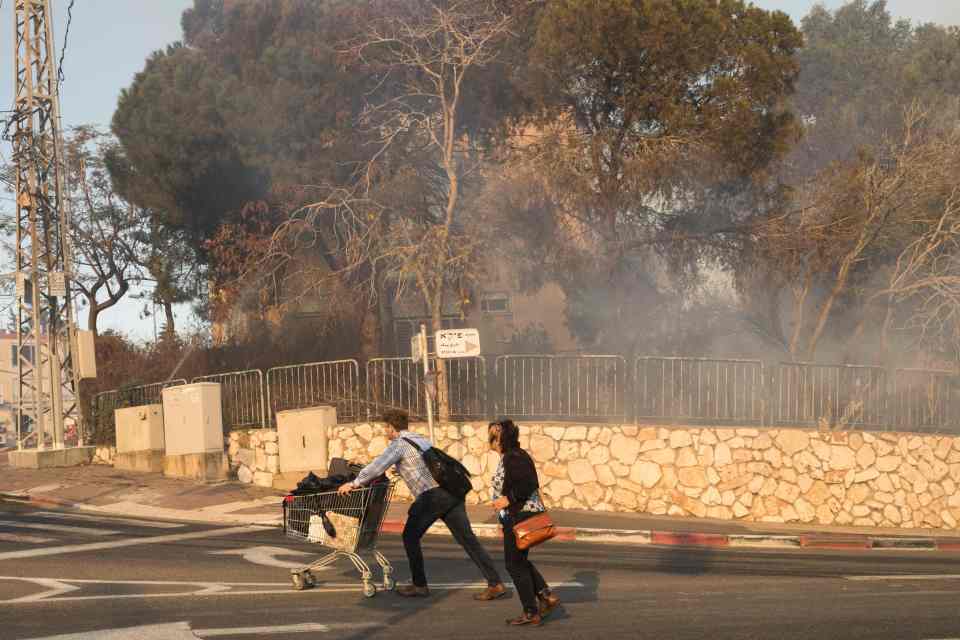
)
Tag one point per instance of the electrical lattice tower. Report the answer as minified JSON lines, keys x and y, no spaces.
{"x":46,"y":337}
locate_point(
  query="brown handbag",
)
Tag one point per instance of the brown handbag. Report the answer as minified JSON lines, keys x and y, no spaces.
{"x":534,"y":530}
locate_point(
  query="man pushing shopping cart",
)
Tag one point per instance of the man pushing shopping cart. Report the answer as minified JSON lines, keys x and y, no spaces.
{"x":431,"y":503}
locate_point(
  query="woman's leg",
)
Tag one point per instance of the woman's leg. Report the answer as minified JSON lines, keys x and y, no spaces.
{"x":520,"y":570}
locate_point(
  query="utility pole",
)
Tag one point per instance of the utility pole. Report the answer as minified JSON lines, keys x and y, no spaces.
{"x":46,"y":336}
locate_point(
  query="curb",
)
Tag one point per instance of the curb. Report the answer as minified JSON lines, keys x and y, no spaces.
{"x":715,"y":540}
{"x":644,"y":537}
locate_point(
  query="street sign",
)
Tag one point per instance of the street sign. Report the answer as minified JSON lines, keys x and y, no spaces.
{"x":458,"y":343}
{"x":58,"y":284}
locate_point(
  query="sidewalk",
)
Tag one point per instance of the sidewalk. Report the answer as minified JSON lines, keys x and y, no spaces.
{"x":108,"y":491}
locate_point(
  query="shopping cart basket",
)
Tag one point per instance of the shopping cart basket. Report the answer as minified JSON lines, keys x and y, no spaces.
{"x":347,"y":525}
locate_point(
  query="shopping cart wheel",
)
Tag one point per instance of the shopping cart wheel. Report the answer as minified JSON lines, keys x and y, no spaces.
{"x":309,"y":579}
{"x":369,"y":589}
{"x":389,"y":583}
{"x":299,"y":583}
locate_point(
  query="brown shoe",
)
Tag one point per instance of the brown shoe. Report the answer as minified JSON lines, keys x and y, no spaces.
{"x":548,"y":602}
{"x":533,"y":619}
{"x":412,"y":591}
{"x":491,"y":593}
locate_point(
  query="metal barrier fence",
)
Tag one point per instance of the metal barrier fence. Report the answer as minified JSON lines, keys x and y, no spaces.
{"x":926,"y":400}
{"x":241,"y":398}
{"x":546,"y":386}
{"x":699,"y":389}
{"x":397,"y":383}
{"x":298,"y":386}
{"x":106,"y":402}
{"x":838,"y":395}
{"x":591,"y":388}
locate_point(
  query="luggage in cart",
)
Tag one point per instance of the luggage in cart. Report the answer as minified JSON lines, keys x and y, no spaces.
{"x":347,"y":525}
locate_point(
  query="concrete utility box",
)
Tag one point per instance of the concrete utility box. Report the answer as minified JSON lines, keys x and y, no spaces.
{"x":302,"y":437}
{"x":139,"y":438}
{"x":193,"y":432}
{"x":86,"y":354}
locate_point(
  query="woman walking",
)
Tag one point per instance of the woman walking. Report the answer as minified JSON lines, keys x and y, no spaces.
{"x":516,"y":496}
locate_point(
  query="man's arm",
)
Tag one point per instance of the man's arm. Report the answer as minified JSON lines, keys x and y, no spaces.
{"x":378,"y":467}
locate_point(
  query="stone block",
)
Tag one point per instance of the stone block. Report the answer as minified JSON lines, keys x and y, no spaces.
{"x":581,"y":472}
{"x":210,"y":466}
{"x":148,"y":461}
{"x":645,"y":473}
{"x":50,"y":458}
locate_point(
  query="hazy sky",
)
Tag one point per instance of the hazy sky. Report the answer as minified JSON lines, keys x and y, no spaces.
{"x":110,"y":39}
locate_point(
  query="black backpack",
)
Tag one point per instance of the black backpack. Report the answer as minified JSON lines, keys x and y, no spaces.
{"x":449,"y":472}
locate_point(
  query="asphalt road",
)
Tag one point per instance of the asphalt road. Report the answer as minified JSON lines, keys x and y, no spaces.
{"x":74,"y":575}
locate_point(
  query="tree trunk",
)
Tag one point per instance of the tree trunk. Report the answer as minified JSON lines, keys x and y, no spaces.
{"x":170,"y":327}
{"x":443,"y":394}
{"x":798,"y":313}
{"x":370,"y":331}
{"x":93,"y":313}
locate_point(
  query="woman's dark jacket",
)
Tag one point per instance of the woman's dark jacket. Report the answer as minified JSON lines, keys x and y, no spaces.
{"x":519,"y":479}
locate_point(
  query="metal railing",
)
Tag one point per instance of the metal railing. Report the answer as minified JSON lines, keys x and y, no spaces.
{"x":698,"y":390}
{"x":828,"y":395}
{"x":546,"y":386}
{"x":298,"y":386}
{"x":241,"y":398}
{"x":397,"y":383}
{"x":592,"y":389}
{"x":925,"y":400}
{"x":106,"y":402}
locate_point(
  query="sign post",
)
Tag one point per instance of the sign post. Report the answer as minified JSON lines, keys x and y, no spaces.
{"x":424,"y":357}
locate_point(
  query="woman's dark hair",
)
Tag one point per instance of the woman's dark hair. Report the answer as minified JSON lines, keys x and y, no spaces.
{"x":509,"y":434}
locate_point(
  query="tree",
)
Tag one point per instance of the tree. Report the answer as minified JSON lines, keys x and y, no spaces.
{"x":657,"y":120}
{"x":861,"y":71}
{"x":879,"y":230}
{"x":106,"y":230}
{"x":405,"y":214}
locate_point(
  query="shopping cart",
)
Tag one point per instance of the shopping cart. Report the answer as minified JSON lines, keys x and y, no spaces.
{"x":345,"y":524}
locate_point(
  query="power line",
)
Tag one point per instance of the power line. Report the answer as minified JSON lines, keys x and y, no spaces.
{"x":66,"y":36}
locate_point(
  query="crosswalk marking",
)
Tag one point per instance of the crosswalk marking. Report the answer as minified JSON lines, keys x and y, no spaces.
{"x":23,"y":539}
{"x":108,"y":520}
{"x":116,"y":544}
{"x":63,"y":528}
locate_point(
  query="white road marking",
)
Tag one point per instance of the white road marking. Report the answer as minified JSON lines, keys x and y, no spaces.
{"x":23,"y":539}
{"x":108,"y":519}
{"x":172,"y":631}
{"x":921,"y":576}
{"x":309,"y":627}
{"x":54,"y":588}
{"x":265,"y":556}
{"x":129,"y":542}
{"x":244,"y":504}
{"x":57,"y":587}
{"x":63,"y":528}
{"x":182,"y":631}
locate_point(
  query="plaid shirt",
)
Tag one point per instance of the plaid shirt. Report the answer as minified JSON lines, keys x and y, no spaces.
{"x":407,"y":459}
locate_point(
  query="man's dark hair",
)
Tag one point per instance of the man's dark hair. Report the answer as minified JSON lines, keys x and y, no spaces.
{"x":397,"y":419}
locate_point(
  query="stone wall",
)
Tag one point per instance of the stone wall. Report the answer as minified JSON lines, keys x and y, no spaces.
{"x":254,"y":456}
{"x":769,"y":475}
{"x":104,"y":455}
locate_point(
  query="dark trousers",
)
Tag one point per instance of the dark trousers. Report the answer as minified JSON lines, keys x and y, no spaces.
{"x":526,"y":579}
{"x":437,"y":504}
